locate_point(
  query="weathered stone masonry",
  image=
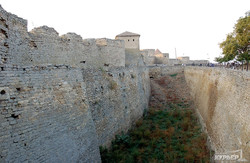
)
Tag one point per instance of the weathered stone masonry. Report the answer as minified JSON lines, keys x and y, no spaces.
{"x":61,"y":96}
{"x":117,"y":98}
{"x":222,"y":101}
{"x":45,"y":116}
{"x":44,"y":46}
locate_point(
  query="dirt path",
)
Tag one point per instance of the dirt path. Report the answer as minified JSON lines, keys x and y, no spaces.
{"x":169,"y":89}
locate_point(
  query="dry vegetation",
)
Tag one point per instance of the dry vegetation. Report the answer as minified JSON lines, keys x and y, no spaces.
{"x":168,"y":132}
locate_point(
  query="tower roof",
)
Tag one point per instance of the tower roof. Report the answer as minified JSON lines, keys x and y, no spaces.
{"x":126,"y":33}
{"x":158,"y":51}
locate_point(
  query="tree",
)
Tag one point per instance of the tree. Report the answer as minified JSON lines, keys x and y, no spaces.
{"x":236,"y":45}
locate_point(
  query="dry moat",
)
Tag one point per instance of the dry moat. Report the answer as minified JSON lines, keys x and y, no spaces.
{"x":62,"y":97}
{"x":168,"y":132}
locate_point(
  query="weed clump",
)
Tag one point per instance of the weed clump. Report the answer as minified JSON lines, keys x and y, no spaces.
{"x":112,"y":85}
{"x":173,"y":75}
{"x":164,"y":135}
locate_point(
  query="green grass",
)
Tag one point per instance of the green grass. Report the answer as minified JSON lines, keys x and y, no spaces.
{"x":173,"y":75}
{"x":171,"y":134}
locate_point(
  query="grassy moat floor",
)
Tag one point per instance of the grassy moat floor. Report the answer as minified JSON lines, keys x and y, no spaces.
{"x":168,"y":132}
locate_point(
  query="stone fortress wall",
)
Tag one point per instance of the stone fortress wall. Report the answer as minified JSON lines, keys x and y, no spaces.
{"x":45,"y":116}
{"x":153,"y":57}
{"x":222,"y":99}
{"x":117,"y":98}
{"x":148,"y":57}
{"x":62,"y":97}
{"x":43,"y":45}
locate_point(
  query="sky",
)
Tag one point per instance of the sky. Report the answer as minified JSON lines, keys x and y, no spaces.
{"x":193,"y":27}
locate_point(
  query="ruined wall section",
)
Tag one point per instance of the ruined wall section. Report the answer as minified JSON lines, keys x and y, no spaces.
{"x":45,"y":116}
{"x":197,"y":62}
{"x":71,"y":49}
{"x":173,"y":62}
{"x":160,"y":59}
{"x":43,"y":46}
{"x":117,"y":98}
{"x":13,"y":37}
{"x":133,"y":58}
{"x":158,"y":71}
{"x":150,"y":58}
{"x":61,"y":96}
{"x":222,"y":100}
{"x":147,"y":58}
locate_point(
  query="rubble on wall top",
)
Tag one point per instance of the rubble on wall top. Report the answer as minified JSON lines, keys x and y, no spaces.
{"x":9,"y":16}
{"x":72,"y":36}
{"x":147,"y":49}
{"x":44,"y":30}
{"x":158,"y":51}
{"x":101,"y":42}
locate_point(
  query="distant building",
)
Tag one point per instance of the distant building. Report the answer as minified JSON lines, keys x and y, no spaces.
{"x":184,"y":59}
{"x":132,"y":40}
{"x":150,"y":56}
